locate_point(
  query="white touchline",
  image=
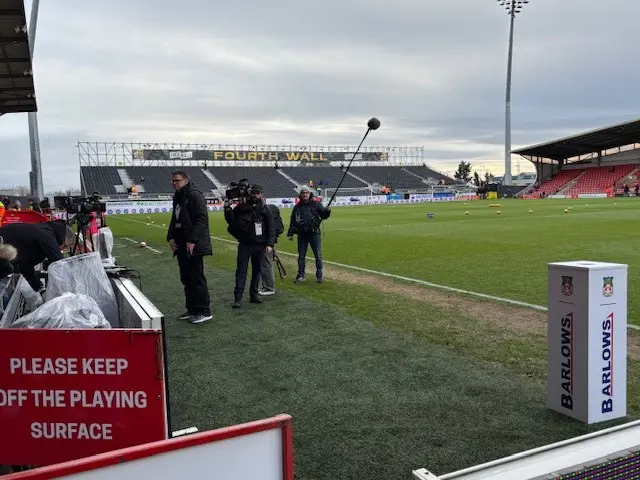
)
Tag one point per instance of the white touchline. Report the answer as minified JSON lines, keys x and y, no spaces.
{"x":131,"y":240}
{"x":541,"y":308}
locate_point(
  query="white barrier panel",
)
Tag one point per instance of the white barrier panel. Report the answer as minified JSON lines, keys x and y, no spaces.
{"x":605,"y":455}
{"x":592,"y":195}
{"x":262,"y":449}
{"x":128,"y":207}
{"x":150,"y":207}
{"x":587,"y":340}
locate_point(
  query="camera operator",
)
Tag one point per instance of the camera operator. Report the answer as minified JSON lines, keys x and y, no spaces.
{"x":305,"y":221}
{"x":36,"y":243}
{"x":190,"y":241}
{"x":251,"y":223}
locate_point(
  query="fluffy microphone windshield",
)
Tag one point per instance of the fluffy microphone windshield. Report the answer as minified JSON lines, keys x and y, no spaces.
{"x":374,"y":123}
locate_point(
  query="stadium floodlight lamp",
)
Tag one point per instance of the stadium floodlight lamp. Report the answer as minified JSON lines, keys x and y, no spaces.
{"x":513,"y":7}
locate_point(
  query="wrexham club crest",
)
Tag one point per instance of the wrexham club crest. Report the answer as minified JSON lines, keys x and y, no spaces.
{"x":607,"y":288}
{"x":567,"y":286}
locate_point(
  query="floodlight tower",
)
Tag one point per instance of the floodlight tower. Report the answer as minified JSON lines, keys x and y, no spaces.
{"x":513,"y":7}
{"x":35,"y":180}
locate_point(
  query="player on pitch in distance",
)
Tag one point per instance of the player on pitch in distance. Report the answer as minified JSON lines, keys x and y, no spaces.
{"x":190,"y":241}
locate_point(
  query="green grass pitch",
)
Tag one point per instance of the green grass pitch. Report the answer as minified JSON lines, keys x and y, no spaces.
{"x":383,"y":375}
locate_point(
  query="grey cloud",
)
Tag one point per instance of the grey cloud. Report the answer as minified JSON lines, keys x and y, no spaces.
{"x":14,"y":161}
{"x":298,"y":72}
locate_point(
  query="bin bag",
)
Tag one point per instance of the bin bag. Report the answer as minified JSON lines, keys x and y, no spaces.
{"x":67,"y":311}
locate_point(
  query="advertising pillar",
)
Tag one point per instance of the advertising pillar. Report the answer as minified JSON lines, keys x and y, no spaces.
{"x":587,"y":340}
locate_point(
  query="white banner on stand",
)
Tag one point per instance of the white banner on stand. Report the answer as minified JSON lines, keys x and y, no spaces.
{"x":587,"y":340}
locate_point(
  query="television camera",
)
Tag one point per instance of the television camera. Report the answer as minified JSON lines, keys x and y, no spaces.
{"x":80,"y":212}
{"x":241,"y":189}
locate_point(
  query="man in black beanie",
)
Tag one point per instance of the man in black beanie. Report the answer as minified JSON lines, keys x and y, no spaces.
{"x":251,"y":223}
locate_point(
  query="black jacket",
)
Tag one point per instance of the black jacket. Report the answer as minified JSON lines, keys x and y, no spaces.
{"x":278,"y":226}
{"x":242,"y":222}
{"x":35,"y":243}
{"x":192,"y":224}
{"x":306,"y":217}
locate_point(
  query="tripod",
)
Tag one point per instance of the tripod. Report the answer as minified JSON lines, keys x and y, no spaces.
{"x":82,"y":223}
{"x":281,"y":270}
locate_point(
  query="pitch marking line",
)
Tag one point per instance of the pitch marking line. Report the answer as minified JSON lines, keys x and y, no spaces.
{"x":131,"y":240}
{"x":482,"y":217}
{"x":518,"y":303}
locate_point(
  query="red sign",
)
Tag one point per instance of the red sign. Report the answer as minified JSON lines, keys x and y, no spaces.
{"x":69,"y":394}
{"x":24,"y":216}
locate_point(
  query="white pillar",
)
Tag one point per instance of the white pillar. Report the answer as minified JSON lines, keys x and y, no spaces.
{"x":587,"y":340}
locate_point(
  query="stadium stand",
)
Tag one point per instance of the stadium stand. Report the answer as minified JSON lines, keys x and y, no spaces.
{"x":598,"y":179}
{"x":556,"y":182}
{"x":274,"y":184}
{"x":326,"y":177}
{"x":580,"y":181}
{"x":111,"y":169}
{"x":394,"y":177}
{"x":116,"y":180}
{"x":431,"y":176}
{"x":630,"y":181}
{"x":282,"y":182}
{"x":99,"y":179}
{"x":592,"y":162}
{"x":157,"y":179}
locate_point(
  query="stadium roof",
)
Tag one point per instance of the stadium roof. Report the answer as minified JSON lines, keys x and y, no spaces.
{"x":17,"y":91}
{"x":593,"y":141}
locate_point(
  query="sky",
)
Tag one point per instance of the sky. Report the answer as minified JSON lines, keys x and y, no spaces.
{"x":313,"y":73}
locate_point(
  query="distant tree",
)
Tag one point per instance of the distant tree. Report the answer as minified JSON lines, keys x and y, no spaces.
{"x":488,"y":177}
{"x":71,"y":191}
{"x":476,"y":179}
{"x":23,"y":191}
{"x":463,"y":174}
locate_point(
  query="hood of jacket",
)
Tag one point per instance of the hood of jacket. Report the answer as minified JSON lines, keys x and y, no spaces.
{"x":8,"y":252}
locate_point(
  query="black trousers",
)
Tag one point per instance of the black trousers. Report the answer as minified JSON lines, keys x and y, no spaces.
{"x":254,"y":253}
{"x":196,"y":291}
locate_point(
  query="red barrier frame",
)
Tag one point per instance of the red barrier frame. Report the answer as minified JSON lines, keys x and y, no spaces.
{"x":24,"y":216}
{"x":283,"y":422}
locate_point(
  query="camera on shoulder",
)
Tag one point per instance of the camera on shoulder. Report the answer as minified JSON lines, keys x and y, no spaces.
{"x":241,"y":189}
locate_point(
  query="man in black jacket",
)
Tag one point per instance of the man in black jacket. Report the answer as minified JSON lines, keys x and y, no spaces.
{"x":251,"y":223}
{"x":266,"y":268}
{"x":190,"y":241}
{"x":305,"y":221}
{"x":36,"y":243}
